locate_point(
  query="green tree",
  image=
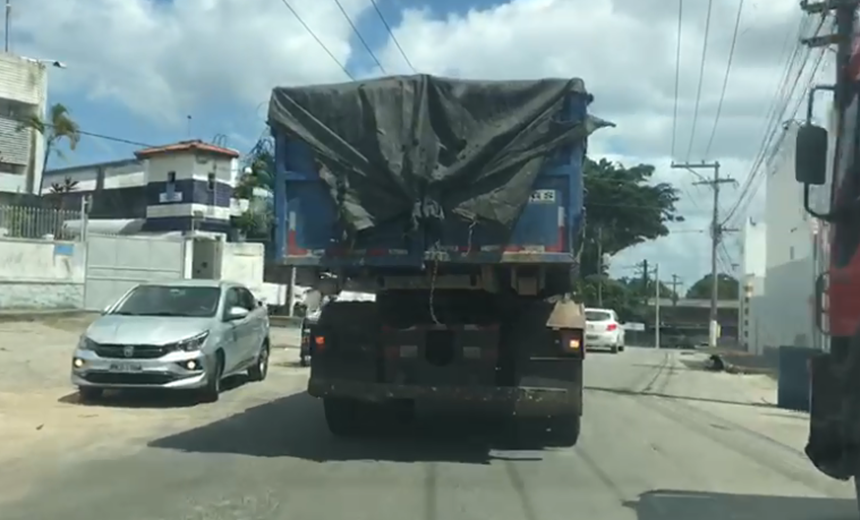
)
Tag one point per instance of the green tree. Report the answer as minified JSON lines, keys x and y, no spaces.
{"x":727,"y":288}
{"x":58,"y":127}
{"x":623,"y":208}
{"x":256,"y":221}
{"x":259,"y":173}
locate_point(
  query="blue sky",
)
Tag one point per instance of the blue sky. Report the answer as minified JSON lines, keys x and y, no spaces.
{"x":137,"y":68}
{"x":242,"y":124}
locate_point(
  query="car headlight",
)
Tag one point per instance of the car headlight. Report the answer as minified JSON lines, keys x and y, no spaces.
{"x":86,"y":343}
{"x":193,"y":343}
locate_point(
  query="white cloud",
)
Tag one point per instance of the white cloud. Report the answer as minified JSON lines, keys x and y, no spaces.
{"x":625,"y":50}
{"x":164,"y":60}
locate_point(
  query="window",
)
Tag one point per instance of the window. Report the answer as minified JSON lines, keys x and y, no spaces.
{"x":211,"y":182}
{"x":247,"y":299}
{"x":171,"y":177}
{"x":166,"y":300}
{"x":231,"y":300}
{"x":598,"y":316}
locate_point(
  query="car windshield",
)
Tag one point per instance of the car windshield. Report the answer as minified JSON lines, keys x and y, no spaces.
{"x":164,"y":300}
{"x":597,"y":316}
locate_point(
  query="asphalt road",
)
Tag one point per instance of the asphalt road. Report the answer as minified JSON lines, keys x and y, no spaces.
{"x":660,"y":442}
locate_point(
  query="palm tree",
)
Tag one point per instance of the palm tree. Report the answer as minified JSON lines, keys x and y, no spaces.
{"x":59,"y":126}
{"x":67,"y":186}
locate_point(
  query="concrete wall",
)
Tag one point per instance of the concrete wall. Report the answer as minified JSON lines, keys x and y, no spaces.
{"x":41,"y":274}
{"x":243,"y":262}
{"x":785,"y":317}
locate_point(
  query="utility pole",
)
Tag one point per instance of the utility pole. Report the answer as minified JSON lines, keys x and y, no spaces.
{"x":676,"y":281}
{"x":8,"y":25}
{"x":717,"y":230}
{"x":600,"y":266}
{"x":657,"y":306}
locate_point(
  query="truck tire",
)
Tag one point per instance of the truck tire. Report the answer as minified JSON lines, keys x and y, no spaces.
{"x":857,"y":491}
{"x":565,"y":429}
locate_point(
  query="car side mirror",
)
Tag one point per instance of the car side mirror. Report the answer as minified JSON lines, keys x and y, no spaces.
{"x":236,"y":313}
{"x":810,"y":155}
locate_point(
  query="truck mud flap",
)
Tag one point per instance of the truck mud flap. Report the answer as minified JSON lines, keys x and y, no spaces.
{"x":834,"y":426}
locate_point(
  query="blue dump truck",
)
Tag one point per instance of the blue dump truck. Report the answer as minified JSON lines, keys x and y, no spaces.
{"x":459,"y":204}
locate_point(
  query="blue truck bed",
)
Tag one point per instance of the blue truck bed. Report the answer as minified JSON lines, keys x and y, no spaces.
{"x":309,"y":231}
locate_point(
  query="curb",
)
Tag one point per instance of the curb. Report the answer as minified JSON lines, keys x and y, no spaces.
{"x":288,"y":322}
{"x":7,"y":315}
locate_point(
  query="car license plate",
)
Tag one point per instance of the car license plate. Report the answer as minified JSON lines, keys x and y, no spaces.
{"x":591,"y":337}
{"x":126,"y":367}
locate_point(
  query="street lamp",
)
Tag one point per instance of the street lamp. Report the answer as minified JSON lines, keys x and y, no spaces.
{"x":54,"y":63}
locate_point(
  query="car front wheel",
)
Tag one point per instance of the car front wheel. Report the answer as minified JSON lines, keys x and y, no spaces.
{"x":212,"y":390}
{"x":260,"y":369}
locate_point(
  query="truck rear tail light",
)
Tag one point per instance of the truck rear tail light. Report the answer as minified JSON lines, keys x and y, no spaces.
{"x":611,"y":327}
{"x":319,"y":341}
{"x":571,"y":343}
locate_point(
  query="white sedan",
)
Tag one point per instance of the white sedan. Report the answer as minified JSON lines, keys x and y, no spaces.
{"x":603,"y":330}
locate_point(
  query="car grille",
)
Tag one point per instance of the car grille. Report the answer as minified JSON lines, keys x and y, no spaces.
{"x":108,"y":378}
{"x":139,"y":351}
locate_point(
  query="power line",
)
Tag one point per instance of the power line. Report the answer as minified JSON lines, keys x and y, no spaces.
{"x":783,"y":98}
{"x":113,"y":139}
{"x":677,"y":76}
{"x":391,"y":33}
{"x":701,"y":80}
{"x":102,"y":136}
{"x":680,"y":28}
{"x":317,"y":39}
{"x":726,"y":77}
{"x":773,"y":142}
{"x":360,"y":37}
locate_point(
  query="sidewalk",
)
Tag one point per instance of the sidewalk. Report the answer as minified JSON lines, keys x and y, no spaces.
{"x":745,"y":400}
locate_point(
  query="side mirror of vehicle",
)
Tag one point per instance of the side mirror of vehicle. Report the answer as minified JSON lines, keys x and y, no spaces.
{"x":810,"y":155}
{"x":236,"y":313}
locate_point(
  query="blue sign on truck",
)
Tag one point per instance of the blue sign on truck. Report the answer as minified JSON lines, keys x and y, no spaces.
{"x":460,"y":204}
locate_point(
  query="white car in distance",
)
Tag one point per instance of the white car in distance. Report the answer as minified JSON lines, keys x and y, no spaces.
{"x":603,"y":330}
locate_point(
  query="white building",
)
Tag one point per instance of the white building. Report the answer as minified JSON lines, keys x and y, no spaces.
{"x":189,"y":184}
{"x":23,"y":94}
{"x":753,"y":267}
{"x":125,"y":173}
{"x":786,"y":316}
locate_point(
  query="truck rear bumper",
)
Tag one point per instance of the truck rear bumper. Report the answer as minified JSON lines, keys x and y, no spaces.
{"x":521,"y":401}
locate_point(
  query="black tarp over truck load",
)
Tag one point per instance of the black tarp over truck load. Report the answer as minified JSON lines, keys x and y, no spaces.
{"x":415,"y":149}
{"x":408,"y":146}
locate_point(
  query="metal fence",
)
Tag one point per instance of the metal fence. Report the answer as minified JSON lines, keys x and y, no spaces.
{"x":38,"y":222}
